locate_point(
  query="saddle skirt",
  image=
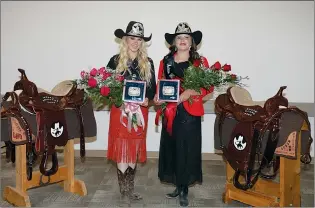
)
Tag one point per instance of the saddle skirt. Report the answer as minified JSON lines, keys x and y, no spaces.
{"x":241,"y":147}
{"x":52,"y":128}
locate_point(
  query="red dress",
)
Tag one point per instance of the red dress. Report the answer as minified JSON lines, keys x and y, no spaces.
{"x":125,"y":146}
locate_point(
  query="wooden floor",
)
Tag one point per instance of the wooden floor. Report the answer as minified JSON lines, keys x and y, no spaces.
{"x":100,"y":178}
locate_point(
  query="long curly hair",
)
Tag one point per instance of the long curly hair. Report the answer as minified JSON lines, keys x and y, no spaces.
{"x":142,"y":57}
{"x":193,"y":54}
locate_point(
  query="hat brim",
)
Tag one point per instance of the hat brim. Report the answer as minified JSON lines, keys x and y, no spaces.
{"x":197,"y":36}
{"x":119,"y":33}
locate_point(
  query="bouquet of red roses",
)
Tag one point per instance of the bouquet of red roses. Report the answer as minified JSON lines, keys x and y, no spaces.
{"x":196,"y":77}
{"x":103,"y":86}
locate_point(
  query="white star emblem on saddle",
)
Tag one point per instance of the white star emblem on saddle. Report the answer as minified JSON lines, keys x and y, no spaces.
{"x":56,"y":130}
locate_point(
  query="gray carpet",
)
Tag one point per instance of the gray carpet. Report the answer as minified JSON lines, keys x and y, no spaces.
{"x":100,"y":178}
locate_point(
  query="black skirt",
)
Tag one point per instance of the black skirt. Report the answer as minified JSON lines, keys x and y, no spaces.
{"x":180,"y":154}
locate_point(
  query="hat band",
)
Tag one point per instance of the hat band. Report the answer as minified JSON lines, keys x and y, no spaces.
{"x":183,"y":32}
{"x":133,"y":33}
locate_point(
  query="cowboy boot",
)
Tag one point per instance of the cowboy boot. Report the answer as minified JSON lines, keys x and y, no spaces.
{"x":122,"y":182}
{"x":183,"y":200}
{"x":130,"y":177}
{"x":174,"y":194}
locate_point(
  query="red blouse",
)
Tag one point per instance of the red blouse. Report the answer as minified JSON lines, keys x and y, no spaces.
{"x":196,"y":108}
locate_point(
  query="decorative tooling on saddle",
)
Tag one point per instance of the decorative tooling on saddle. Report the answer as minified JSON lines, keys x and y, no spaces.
{"x":250,"y":112}
{"x":18,"y":132}
{"x":289,"y":148}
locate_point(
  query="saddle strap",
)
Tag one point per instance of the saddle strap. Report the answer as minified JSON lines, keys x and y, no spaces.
{"x":40,"y":138}
{"x":10,"y":151}
{"x":82,"y":135}
{"x":249,"y":182}
{"x":43,"y":164}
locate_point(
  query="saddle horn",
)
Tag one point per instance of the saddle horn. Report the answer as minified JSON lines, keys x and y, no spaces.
{"x":29,"y":88}
{"x":23,"y":74}
{"x":279,"y":93}
{"x":13,"y":96}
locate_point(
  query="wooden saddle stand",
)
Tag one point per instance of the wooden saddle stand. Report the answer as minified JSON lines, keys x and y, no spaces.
{"x":257,"y":141}
{"x":36,"y":122}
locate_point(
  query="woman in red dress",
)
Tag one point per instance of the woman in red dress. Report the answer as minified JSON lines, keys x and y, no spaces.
{"x":180,"y":145}
{"x":127,"y":146}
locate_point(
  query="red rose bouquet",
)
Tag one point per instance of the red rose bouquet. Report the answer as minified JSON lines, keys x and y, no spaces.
{"x":103,"y":86}
{"x":196,"y":77}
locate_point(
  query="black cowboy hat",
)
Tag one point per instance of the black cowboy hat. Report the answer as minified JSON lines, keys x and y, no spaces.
{"x":134,"y":29}
{"x":183,"y":28}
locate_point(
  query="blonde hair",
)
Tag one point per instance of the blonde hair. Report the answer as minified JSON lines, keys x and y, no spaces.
{"x":142,"y":57}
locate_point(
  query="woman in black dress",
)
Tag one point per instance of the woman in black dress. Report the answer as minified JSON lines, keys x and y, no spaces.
{"x":180,"y":145}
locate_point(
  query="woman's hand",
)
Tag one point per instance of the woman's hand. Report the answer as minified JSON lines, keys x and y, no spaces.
{"x":156,"y":102}
{"x":194,"y":92}
{"x":145,"y":103}
{"x":185,"y":96}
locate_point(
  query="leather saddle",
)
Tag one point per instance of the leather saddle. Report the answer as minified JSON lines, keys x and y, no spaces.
{"x":50,"y":118}
{"x":252,"y":144}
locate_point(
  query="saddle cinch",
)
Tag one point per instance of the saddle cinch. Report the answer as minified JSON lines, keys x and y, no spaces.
{"x":51,"y":126}
{"x":250,"y":134}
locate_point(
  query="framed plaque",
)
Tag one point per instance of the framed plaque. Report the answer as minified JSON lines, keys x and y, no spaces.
{"x":134,"y":91}
{"x":168,"y":90}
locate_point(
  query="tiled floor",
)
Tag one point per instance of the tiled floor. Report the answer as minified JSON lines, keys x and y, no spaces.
{"x":100,"y":178}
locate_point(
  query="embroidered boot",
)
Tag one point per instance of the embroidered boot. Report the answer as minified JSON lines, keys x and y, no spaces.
{"x":122,"y":182}
{"x":131,"y":184}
